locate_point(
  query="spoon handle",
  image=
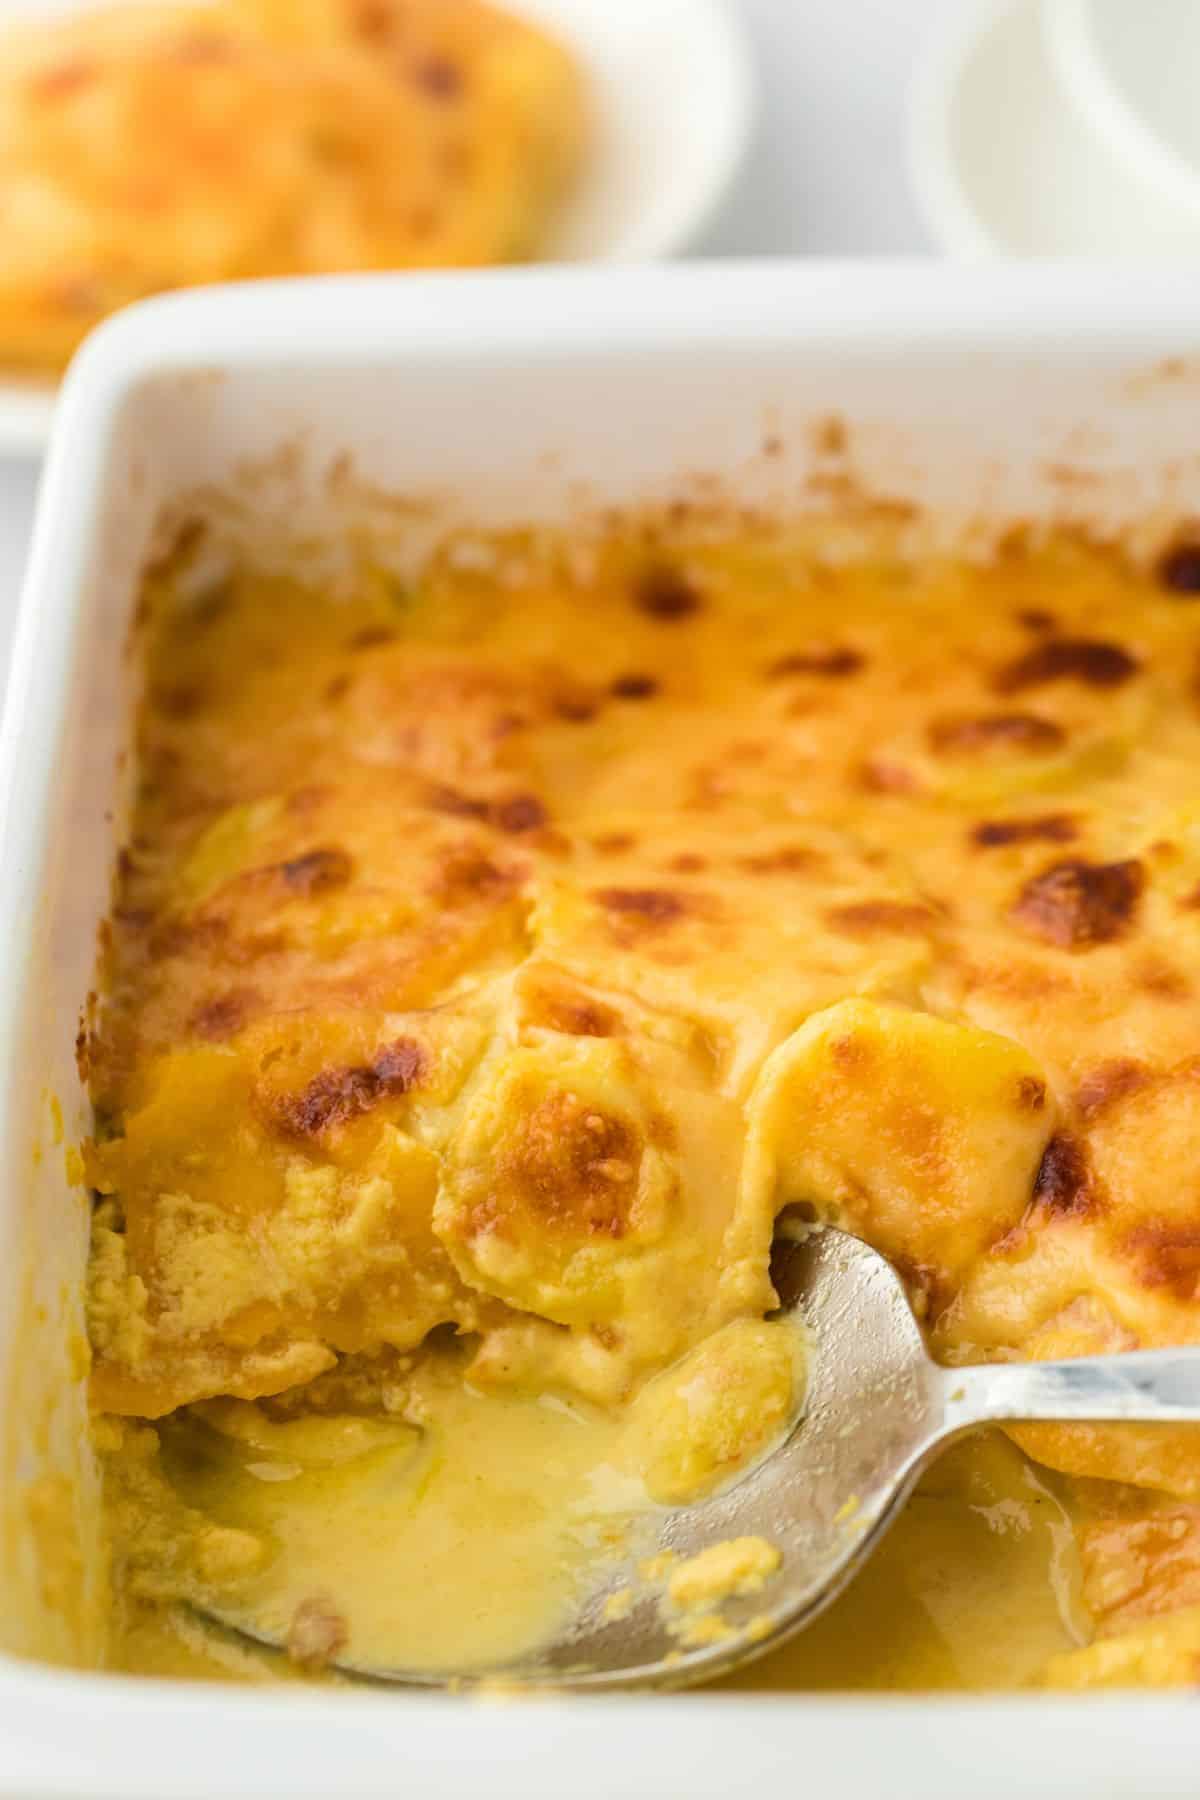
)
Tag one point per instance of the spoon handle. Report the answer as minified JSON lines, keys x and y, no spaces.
{"x":1152,"y":1387}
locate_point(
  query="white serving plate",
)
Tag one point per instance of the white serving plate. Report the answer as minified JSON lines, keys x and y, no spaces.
{"x":513,"y":396}
{"x":673,"y":90}
{"x":1008,"y":160}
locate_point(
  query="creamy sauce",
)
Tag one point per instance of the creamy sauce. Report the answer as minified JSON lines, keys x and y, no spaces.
{"x":458,"y":1535}
{"x":976,"y":1587}
{"x":439,"y":1560}
{"x":457,"y":1547}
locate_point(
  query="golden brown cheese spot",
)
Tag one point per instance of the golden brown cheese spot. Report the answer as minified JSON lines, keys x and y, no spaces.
{"x":649,"y":907}
{"x":1076,"y":904}
{"x":878,"y":775}
{"x":1036,"y":618}
{"x":338,"y":1095}
{"x":133,"y":918}
{"x":205,"y":934}
{"x":309,"y":798}
{"x":789,"y":859}
{"x":665,"y":593}
{"x":62,"y":80}
{"x":574,"y":701}
{"x":316,"y":872}
{"x":869,"y":918}
{"x":204,"y":47}
{"x":466,"y":875}
{"x":1031,"y":1093}
{"x":833,"y":661}
{"x":593,"y":1182}
{"x":180,"y":700}
{"x":1178,"y":571}
{"x":571,"y":1166}
{"x":374,"y":20}
{"x":445,"y":799}
{"x":830,"y":436}
{"x":224,"y":1015}
{"x":440,"y":78}
{"x":520,"y":812}
{"x":553,"y":1182}
{"x":515,"y":813}
{"x":1157,"y":976}
{"x":1167,"y":1256}
{"x":1108,"y":1084}
{"x":372,"y":637}
{"x":1050,"y":828}
{"x":586,"y":1019}
{"x":1063,"y":1183}
{"x":1088,"y":660}
{"x":574,"y":1014}
{"x":634,"y":687}
{"x":183,"y":541}
{"x":1022,"y":732}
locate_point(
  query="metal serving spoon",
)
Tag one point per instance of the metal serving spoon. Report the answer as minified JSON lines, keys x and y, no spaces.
{"x":877,"y":1412}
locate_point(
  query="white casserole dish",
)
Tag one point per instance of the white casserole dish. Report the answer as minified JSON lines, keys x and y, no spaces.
{"x":987,"y":396}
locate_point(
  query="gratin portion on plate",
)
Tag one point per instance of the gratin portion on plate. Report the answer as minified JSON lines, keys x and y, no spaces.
{"x":154,"y":146}
{"x":497,"y":954}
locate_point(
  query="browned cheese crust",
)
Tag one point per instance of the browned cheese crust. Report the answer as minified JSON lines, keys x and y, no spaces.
{"x":506,"y":948}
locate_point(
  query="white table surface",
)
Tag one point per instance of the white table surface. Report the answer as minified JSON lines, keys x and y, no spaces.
{"x":825,"y":175}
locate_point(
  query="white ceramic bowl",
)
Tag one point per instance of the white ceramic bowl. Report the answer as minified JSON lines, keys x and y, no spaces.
{"x":1131,"y":70}
{"x":1005,"y":165}
{"x":961,"y":391}
{"x":673,"y":90}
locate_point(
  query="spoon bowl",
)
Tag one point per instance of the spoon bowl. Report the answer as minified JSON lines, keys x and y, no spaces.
{"x":877,"y":1410}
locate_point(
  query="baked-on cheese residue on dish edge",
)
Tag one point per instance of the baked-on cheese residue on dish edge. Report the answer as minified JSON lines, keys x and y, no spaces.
{"x":496,"y":953}
{"x":165,"y":145}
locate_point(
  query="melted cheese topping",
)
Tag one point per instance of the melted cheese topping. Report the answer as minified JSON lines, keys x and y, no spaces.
{"x":152,"y":146}
{"x":502,"y":951}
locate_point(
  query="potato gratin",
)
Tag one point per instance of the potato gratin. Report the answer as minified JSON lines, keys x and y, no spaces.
{"x":496,"y":954}
{"x":165,"y":145}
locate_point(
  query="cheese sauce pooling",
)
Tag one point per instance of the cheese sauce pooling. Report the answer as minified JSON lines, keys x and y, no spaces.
{"x":500,"y":952}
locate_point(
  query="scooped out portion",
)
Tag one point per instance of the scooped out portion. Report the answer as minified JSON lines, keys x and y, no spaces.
{"x":497,"y":952}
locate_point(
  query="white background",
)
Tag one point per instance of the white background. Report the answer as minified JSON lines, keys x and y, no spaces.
{"x":825,"y":174}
